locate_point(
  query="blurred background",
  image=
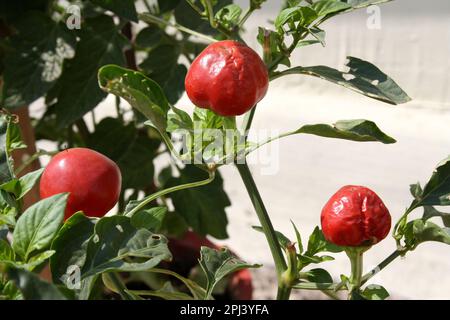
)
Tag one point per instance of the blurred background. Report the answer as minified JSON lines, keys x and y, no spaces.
{"x":412,"y":45}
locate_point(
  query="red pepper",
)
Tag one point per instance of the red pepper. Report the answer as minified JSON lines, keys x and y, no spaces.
{"x":355,"y":216}
{"x":227,"y":77}
{"x":92,"y":180}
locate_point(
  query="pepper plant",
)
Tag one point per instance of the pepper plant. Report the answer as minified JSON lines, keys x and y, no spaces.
{"x":74,"y":69}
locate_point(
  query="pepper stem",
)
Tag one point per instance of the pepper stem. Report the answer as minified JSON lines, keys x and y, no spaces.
{"x":356,"y":260}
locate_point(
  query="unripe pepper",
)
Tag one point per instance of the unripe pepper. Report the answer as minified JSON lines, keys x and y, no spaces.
{"x":355,"y":216}
{"x":227,"y":77}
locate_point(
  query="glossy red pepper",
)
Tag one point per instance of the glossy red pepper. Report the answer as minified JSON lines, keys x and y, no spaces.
{"x":92,"y":179}
{"x":355,"y":216}
{"x":227,"y":77}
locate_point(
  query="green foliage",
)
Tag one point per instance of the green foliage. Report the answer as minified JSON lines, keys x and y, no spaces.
{"x":203,"y":208}
{"x":38,"y":225}
{"x":36,"y":58}
{"x":117,"y":245}
{"x":76,"y":91}
{"x":362,"y":77}
{"x":217,"y":264}
{"x":354,"y":130}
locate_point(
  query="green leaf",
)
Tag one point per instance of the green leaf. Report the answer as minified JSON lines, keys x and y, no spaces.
{"x":167,"y":292}
{"x":161,"y":65}
{"x":318,"y":34}
{"x":437,"y":190}
{"x":20,"y":187}
{"x":326,"y":7}
{"x":353,"y":130}
{"x":70,"y":246}
{"x":306,"y":260}
{"x":35,"y":60}
{"x":298,"y":237}
{"x":9,"y":291}
{"x":305,"y":43}
{"x":375,"y":292}
{"x":150,"y":219}
{"x":282,"y":239}
{"x":149,"y":37}
{"x":197,"y":292}
{"x":38,"y":225}
{"x":8,"y":209}
{"x":418,"y":231}
{"x":317,"y":243}
{"x":34,"y":261}
{"x":203,"y":208}
{"x":319,"y":275}
{"x":431,"y":212}
{"x":123,"y":8}
{"x":77,"y":92}
{"x":274,"y":42}
{"x":363,"y":77}
{"x":7,"y":136}
{"x":132,"y":150}
{"x":416,"y":190}
{"x":167,"y":5}
{"x":217,"y":264}
{"x":6,"y":252}
{"x":179,"y":120}
{"x":174,"y":225}
{"x":304,"y":15}
{"x":118,"y":246}
{"x":188,"y":17}
{"x":141,"y":92}
{"x":32,"y":287}
{"x":229,"y":16}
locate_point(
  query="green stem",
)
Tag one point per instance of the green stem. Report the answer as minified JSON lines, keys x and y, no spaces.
{"x":248,"y":119}
{"x":394,"y":255}
{"x":247,"y":14}
{"x":161,"y":193}
{"x":195,"y":7}
{"x":356,"y":260}
{"x":149,"y":18}
{"x":31,"y":159}
{"x":118,"y":284}
{"x":266,"y":224}
{"x":284,"y":292}
{"x":316,"y":286}
{"x":210,"y":13}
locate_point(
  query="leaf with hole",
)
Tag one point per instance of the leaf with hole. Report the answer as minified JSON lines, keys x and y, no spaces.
{"x":145,"y":95}
{"x":353,"y":130}
{"x":217,"y":264}
{"x":362,"y":77}
{"x":118,"y":246}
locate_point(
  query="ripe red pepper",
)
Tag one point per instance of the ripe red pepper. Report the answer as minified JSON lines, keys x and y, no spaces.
{"x":93,"y":181}
{"x":227,"y":77}
{"x":355,"y":216}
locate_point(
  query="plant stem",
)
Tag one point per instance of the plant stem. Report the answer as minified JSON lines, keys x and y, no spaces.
{"x":195,"y":7}
{"x":147,"y":17}
{"x":394,"y":255}
{"x":316,"y":286}
{"x":118,"y":284}
{"x":160,"y":193}
{"x":283,"y":292}
{"x":31,"y":159}
{"x":356,"y":260}
{"x":247,"y":14}
{"x":248,"y":119}
{"x":266,"y":224}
